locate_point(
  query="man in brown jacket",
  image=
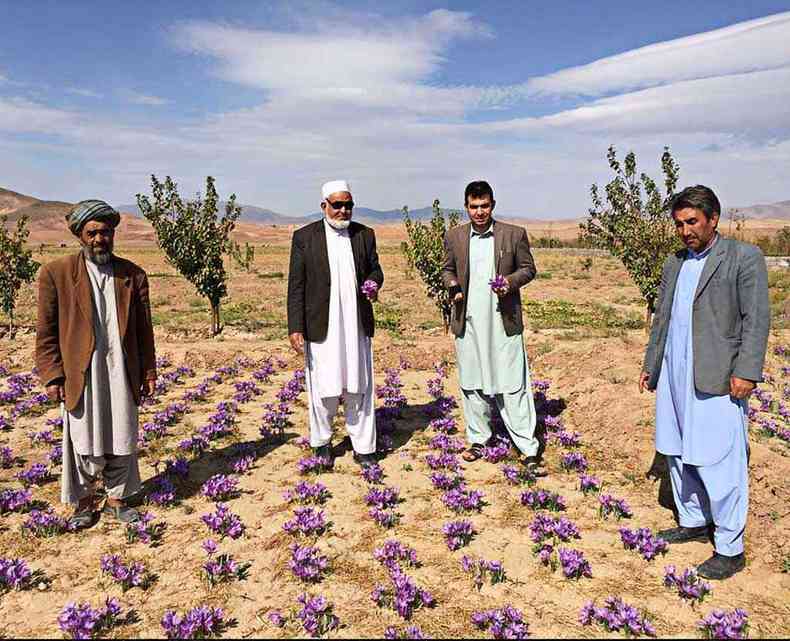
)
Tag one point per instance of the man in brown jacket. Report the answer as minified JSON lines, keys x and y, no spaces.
{"x":95,"y":355}
{"x":486,"y":263}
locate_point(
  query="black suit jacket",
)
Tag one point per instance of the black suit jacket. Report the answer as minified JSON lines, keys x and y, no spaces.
{"x":309,"y":279}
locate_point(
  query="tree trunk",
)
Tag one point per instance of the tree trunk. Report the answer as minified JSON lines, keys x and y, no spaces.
{"x":215,"y":326}
{"x":648,"y":319}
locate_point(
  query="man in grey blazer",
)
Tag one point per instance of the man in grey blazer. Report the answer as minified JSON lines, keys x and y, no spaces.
{"x":486,"y":263}
{"x":705,"y":355}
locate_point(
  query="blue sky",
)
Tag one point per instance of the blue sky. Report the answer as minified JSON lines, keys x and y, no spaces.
{"x":408,"y":100}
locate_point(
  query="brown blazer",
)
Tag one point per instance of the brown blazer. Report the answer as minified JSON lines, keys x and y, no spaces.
{"x":64,"y":332}
{"x":513,"y":261}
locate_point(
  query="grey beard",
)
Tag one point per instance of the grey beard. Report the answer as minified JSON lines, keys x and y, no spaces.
{"x":338,"y":224}
{"x":98,"y":259}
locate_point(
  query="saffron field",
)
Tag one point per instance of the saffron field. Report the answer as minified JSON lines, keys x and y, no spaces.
{"x":247,"y":535}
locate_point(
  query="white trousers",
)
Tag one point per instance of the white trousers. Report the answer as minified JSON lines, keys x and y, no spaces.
{"x":120,"y":473}
{"x":359,"y":411}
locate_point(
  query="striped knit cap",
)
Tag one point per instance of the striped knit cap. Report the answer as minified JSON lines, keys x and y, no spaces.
{"x":88,"y":210}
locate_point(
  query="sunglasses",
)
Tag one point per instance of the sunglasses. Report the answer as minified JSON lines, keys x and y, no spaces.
{"x":339,"y":204}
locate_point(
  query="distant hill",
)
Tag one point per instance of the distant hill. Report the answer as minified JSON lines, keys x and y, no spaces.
{"x":249,"y":214}
{"x":775,"y":211}
{"x":15,"y":205}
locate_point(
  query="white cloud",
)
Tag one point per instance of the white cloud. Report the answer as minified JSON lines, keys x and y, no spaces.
{"x":747,"y":46}
{"x":18,"y":115}
{"x":137,"y":98}
{"x":81,"y":91}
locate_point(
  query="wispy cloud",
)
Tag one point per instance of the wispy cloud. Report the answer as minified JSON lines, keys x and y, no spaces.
{"x":754,"y":45}
{"x":137,"y":98}
{"x":81,"y":91}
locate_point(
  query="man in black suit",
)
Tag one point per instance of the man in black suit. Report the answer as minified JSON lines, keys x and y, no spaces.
{"x":330,"y":320}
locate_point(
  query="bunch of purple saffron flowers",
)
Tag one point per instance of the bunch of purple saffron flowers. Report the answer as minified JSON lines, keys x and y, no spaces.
{"x":36,"y":474}
{"x":482,"y":571}
{"x":688,"y":584}
{"x":313,"y":465}
{"x":463,"y":501}
{"x":502,"y":623}
{"x":306,"y":493}
{"x":14,"y":575}
{"x":307,"y":563}
{"x":81,"y":621}
{"x":444,"y":461}
{"x":543,"y":500}
{"x":644,"y":542}
{"x":316,"y":615}
{"x":373,"y":474}
{"x":721,"y":624}
{"x":131,"y":575}
{"x":573,"y":563}
{"x":458,"y":534}
{"x":498,"y":284}
{"x":384,"y":518}
{"x":409,"y":632}
{"x":443,"y":481}
{"x":447,"y":443}
{"x":403,"y":596}
{"x":393,"y":553}
{"x":220,"y":488}
{"x":615,"y":615}
{"x":382,"y":497}
{"x":145,"y":530}
{"x":497,"y":450}
{"x":370,"y":288}
{"x":589,"y":484}
{"x":15,"y":500}
{"x":164,"y":494}
{"x":574,"y":461}
{"x":223,"y":568}
{"x":609,"y":505}
{"x":519,"y":475}
{"x":224,"y":522}
{"x":45,"y":523}
{"x":7,"y":457}
{"x":546,"y":532}
{"x":307,"y":521}
{"x":202,"y":622}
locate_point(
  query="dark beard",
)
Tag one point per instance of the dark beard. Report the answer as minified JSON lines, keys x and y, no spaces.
{"x":98,"y":259}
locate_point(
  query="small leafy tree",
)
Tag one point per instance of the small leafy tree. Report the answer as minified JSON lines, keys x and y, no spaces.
{"x":18,"y":265}
{"x":634,"y":224}
{"x":193,"y":239}
{"x":244,"y":258}
{"x":424,"y":252}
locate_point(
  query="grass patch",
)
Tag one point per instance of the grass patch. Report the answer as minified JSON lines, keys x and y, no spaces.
{"x":561,"y":314}
{"x":388,"y":316}
{"x":544,"y":276}
{"x":278,"y":275}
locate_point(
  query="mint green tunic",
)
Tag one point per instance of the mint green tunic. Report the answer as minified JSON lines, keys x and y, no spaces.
{"x":488,"y":359}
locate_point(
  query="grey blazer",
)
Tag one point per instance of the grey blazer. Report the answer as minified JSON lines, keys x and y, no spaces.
{"x":513,"y":260}
{"x":731,"y":317}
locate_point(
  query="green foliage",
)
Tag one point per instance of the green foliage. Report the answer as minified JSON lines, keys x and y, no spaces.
{"x":245,"y":258}
{"x":18,"y":265}
{"x":192,"y":237}
{"x":776,"y":245}
{"x":634,"y":224}
{"x":562,"y":314}
{"x":424,"y":251}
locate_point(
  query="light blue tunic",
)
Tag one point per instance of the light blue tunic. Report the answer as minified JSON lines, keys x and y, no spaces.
{"x":488,"y":359}
{"x":701,"y":428}
{"x":703,"y":436}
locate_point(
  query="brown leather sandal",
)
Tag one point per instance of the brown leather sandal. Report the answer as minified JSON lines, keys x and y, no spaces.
{"x":474,"y":453}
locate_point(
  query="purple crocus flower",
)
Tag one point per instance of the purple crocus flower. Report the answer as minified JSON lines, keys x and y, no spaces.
{"x":720,"y":624}
{"x":502,"y":623}
{"x":688,"y":585}
{"x":220,"y":488}
{"x":307,"y":521}
{"x":306,"y":493}
{"x":316,"y":615}
{"x":609,"y":505}
{"x":202,"y":622}
{"x":127,"y":575}
{"x":14,"y":574}
{"x":81,"y":621}
{"x":644,"y":542}
{"x":457,"y":534}
{"x":224,"y":522}
{"x":574,"y":461}
{"x":574,"y":565}
{"x":616,"y":615}
{"x":307,"y":563}
{"x":393,"y":553}
{"x":543,"y":500}
{"x":370,"y":288}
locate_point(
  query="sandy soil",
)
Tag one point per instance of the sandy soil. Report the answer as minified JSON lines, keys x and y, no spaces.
{"x":593,"y":369}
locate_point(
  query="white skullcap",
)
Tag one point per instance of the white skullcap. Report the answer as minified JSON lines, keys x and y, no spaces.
{"x":334,"y":186}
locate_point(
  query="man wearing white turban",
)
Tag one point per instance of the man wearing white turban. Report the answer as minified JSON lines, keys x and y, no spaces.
{"x":330,"y":320}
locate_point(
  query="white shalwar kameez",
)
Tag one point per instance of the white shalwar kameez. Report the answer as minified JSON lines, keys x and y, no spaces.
{"x":342,"y":364}
{"x":100,"y":434}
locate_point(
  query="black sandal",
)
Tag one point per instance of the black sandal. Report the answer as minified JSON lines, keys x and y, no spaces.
{"x":474,"y":453}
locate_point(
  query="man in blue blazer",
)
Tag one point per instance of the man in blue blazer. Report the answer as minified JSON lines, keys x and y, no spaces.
{"x":705,"y":355}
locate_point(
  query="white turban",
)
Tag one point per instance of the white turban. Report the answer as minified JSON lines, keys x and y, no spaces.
{"x":334,"y":186}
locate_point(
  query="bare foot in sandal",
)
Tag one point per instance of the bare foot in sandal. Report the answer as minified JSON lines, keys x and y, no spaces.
{"x":474,"y":453}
